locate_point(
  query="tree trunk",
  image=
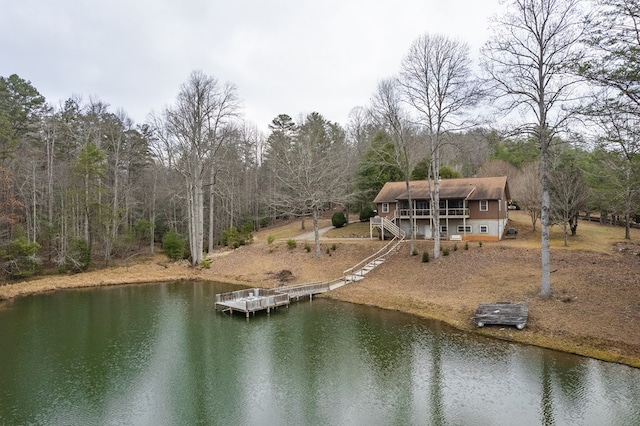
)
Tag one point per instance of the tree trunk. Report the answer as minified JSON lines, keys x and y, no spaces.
{"x":316,"y":233}
{"x":545,"y":216}
{"x":211,"y":212}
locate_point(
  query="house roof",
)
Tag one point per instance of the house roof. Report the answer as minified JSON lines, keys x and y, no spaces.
{"x":486,"y":188}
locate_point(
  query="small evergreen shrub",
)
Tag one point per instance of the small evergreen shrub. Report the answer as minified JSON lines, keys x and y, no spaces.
{"x":334,"y":247}
{"x":291,"y":243}
{"x":466,"y":246}
{"x":338,"y":219}
{"x":366,"y":213}
{"x":425,"y":257}
{"x":445,"y":252}
{"x":246,"y":233}
{"x":414,"y":252}
{"x":270,"y":239}
{"x":455,"y":247}
{"x":18,"y":258}
{"x":307,"y":247}
{"x":205,"y":263}
{"x":230,"y":237}
{"x":264,"y":222}
{"x":480,"y":243}
{"x":173,"y":245}
{"x":78,"y":256}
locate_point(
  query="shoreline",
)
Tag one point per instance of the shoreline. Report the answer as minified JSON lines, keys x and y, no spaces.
{"x":573,"y":346}
{"x":593,"y":311}
{"x":570,"y":344}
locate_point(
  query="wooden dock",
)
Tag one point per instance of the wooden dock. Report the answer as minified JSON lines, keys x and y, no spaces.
{"x":251,"y":301}
{"x":502,"y":314}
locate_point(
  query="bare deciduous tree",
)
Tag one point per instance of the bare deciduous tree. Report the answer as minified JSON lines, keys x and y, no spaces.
{"x":387,"y":111}
{"x":569,"y":196}
{"x":311,"y":171}
{"x":527,"y":191}
{"x":437,"y":81}
{"x":528,"y":60}
{"x":194,"y":128}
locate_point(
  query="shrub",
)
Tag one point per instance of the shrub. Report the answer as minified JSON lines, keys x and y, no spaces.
{"x":264,"y":222}
{"x":205,"y":263}
{"x":334,"y":247}
{"x":366,"y":213}
{"x":19,"y":258}
{"x":480,"y":243}
{"x":142,"y":231}
{"x":445,"y":252}
{"x":425,"y":256}
{"x":455,"y":247}
{"x":230,"y":237}
{"x":338,"y":219}
{"x":173,"y":245}
{"x":307,"y":247}
{"x":246,"y":232}
{"x":270,"y":239}
{"x":414,"y":252}
{"x":291,"y":243}
{"x":466,"y":246}
{"x":78,"y":256}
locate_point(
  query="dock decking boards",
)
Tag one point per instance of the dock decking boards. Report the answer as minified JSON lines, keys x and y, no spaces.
{"x":502,"y":314}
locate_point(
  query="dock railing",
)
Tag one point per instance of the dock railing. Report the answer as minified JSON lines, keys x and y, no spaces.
{"x":265,"y":302}
{"x":300,"y":290}
{"x":247,"y":294}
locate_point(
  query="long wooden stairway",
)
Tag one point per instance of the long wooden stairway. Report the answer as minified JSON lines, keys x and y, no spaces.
{"x":358,"y":271}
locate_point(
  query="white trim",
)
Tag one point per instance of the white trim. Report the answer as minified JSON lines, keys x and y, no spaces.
{"x":486,"y":229}
{"x":385,"y":207}
{"x":486,"y":205}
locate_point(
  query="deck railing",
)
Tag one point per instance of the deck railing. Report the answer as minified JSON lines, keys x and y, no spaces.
{"x":419,"y":213}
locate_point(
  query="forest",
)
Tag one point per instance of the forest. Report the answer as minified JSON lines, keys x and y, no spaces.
{"x":553,"y":103}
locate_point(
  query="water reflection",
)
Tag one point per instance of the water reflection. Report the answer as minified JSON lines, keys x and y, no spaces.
{"x":158,"y":354}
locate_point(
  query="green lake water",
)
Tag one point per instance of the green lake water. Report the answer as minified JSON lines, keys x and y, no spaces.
{"x":159,"y":354}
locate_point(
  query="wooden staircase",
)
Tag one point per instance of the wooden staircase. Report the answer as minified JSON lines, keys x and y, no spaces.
{"x":358,"y":271}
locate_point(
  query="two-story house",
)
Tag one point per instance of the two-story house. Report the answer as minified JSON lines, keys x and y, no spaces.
{"x":470,"y":208}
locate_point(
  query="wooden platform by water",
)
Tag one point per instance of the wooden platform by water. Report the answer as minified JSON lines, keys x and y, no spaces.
{"x":252,"y":300}
{"x":502,"y":314}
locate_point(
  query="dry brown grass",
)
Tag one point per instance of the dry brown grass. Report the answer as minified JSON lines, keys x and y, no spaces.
{"x":594,"y":309}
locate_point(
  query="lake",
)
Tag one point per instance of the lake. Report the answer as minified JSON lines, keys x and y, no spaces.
{"x":158,"y":354}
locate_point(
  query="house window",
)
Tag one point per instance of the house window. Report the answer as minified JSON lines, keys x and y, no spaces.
{"x":484,"y":205}
{"x":484,"y":229}
{"x":443,"y":229}
{"x":464,"y":228}
{"x":385,"y":207}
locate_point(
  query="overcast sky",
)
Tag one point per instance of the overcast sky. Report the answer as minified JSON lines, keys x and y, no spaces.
{"x":284,"y":56}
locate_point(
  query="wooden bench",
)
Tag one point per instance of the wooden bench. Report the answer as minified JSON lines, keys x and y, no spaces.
{"x":455,"y":237}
